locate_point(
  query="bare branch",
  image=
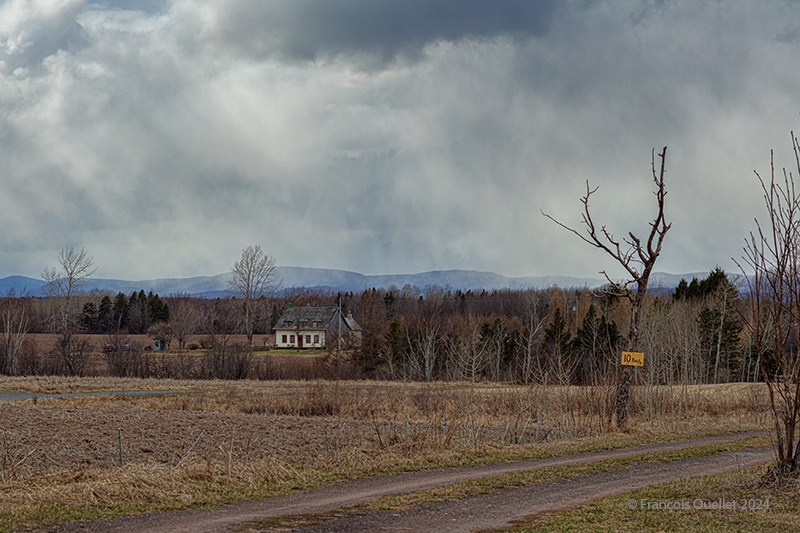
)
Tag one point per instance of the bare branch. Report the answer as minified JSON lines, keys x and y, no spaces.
{"x":637,"y":260}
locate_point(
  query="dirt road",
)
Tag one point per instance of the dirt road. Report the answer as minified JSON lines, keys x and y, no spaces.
{"x":501,"y":508}
{"x":474,"y":513}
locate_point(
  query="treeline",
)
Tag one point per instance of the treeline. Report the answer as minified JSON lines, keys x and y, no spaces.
{"x":574,"y":336}
{"x":554,"y":335}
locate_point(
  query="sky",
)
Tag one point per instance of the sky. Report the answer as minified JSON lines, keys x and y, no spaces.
{"x":387,"y":136}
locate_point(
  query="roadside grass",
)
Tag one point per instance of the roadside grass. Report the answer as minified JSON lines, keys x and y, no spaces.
{"x":107,"y":494}
{"x":614,"y":514}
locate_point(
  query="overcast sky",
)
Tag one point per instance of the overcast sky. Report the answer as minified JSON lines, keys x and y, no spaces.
{"x":386,"y":136}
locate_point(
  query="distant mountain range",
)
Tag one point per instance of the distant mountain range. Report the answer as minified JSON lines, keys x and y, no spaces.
{"x":338,"y":280}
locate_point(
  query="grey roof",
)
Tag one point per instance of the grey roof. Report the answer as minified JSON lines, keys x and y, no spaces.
{"x":317,"y":314}
{"x":306,"y":316}
{"x":352,"y":324}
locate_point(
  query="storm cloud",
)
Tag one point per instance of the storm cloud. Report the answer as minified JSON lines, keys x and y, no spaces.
{"x":310,"y":29}
{"x":385,"y":136}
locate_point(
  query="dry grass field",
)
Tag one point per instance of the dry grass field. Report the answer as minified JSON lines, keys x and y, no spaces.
{"x":219,"y":441}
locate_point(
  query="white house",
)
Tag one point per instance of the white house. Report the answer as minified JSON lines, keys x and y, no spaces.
{"x":316,"y":327}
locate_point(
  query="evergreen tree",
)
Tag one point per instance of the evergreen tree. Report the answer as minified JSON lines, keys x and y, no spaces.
{"x":371,"y":310}
{"x":157,"y":309}
{"x":702,"y":288}
{"x":556,"y":335}
{"x":558,"y":341}
{"x":105,"y":314}
{"x":89,"y":317}
{"x":138,"y":315}
{"x":719,"y":330}
{"x":680,"y":290}
{"x":121,"y":312}
{"x":718,"y":322}
{"x":595,"y":341}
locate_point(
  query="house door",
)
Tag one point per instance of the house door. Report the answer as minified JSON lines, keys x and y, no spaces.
{"x":299,"y":341}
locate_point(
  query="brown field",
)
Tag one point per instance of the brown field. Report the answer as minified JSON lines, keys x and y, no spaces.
{"x":45,"y":341}
{"x":268,"y":362}
{"x":220,"y":441}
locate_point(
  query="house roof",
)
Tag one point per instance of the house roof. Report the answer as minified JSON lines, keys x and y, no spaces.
{"x":351,"y":323}
{"x":305,"y":317}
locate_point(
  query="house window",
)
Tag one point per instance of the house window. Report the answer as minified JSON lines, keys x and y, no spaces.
{"x":308,"y":339}
{"x":291,"y":339}
{"x":316,"y":339}
{"x":283,"y":340}
{"x":315,"y":324}
{"x":287,"y":323}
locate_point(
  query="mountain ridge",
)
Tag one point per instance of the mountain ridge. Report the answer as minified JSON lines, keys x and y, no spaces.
{"x":337,"y":280}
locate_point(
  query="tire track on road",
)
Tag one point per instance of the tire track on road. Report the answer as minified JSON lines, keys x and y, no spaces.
{"x":355,"y":492}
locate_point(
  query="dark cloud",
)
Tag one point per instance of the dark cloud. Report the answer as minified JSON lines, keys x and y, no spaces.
{"x":308,"y":29}
{"x":151,"y":7}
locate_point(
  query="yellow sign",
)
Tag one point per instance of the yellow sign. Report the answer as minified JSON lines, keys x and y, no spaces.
{"x":633,"y":358}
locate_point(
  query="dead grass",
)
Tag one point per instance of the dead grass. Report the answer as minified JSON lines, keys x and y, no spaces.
{"x":522,"y":413}
{"x":69,"y":385}
{"x":112,"y":492}
{"x":613,"y":514}
{"x":224,"y":441}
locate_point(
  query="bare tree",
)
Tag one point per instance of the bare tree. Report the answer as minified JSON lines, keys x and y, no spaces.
{"x":184,"y":318}
{"x":424,"y":336}
{"x":637,"y":258}
{"x":772,"y":255}
{"x":63,"y":284}
{"x":222,"y":321}
{"x":70,"y":354}
{"x":467,"y":351}
{"x":252,"y":277}
{"x":528,"y":342}
{"x":14,"y":325}
{"x":66,"y":280}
